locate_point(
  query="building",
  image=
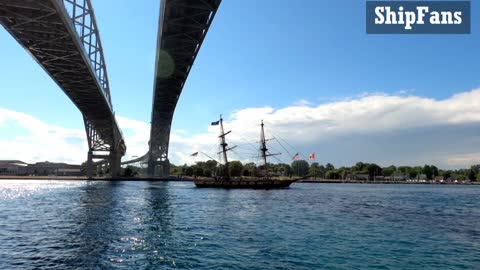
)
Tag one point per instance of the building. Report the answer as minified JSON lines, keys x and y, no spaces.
{"x":361,"y":176}
{"x":52,"y":168}
{"x":421,"y":177}
{"x":13,"y":167}
{"x":70,"y":172}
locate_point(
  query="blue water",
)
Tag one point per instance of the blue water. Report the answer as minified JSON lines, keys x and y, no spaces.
{"x":154,"y":225}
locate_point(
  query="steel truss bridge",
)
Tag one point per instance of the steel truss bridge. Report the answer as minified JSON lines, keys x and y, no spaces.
{"x":182,"y":27}
{"x":63,"y":37}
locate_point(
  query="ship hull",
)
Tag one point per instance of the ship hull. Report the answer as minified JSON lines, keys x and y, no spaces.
{"x":248,"y":184}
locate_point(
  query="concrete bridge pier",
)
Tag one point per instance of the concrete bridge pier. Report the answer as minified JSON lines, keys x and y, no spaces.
{"x":115,"y":162}
{"x":159,"y":168}
{"x":89,"y":169}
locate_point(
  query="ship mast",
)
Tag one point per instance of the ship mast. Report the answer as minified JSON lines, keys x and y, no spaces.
{"x":224,"y":144}
{"x":264,"y":149}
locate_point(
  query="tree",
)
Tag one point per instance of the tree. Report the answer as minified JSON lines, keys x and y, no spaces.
{"x":446,"y":174}
{"x":189,"y":171}
{"x":434,"y":171}
{"x":329,"y":167}
{"x":472,"y":176}
{"x":210,"y":165}
{"x":323,"y":170}
{"x":314,"y":169}
{"x":333,"y":174}
{"x":128,"y":172}
{"x":235,"y":168}
{"x":389,"y":170}
{"x":475,"y":168}
{"x":359,"y":167}
{"x":374,"y":170}
{"x":300,"y":167}
{"x":197,"y":170}
{"x":427,"y":170}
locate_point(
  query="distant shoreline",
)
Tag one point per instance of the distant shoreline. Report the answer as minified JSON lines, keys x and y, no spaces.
{"x":186,"y":179}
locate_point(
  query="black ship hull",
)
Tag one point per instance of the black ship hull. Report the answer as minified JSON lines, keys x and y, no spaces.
{"x":244,"y":183}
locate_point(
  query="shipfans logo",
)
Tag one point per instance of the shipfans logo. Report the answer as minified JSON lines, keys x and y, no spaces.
{"x":418,"y":17}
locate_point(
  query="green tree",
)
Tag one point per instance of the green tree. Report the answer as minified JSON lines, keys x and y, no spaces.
{"x":211,"y":165}
{"x":128,"y":172}
{"x":323,"y":170}
{"x":300,"y":167}
{"x":472,"y":176}
{"x":249,"y":169}
{"x":388,"y":171}
{"x":434,"y":171}
{"x":315,"y":170}
{"x":189,"y":171}
{"x":427,"y":170}
{"x":197,"y":170}
{"x":359,"y":167}
{"x":374,"y":170}
{"x":235,"y":168}
{"x":329,"y":167}
{"x":333,"y":174}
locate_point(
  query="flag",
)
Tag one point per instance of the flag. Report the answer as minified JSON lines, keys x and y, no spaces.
{"x":215,"y":123}
{"x":194,"y":154}
{"x":295,"y":156}
{"x":312,"y":156}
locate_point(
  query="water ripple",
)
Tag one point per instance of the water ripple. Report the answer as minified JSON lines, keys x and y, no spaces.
{"x":152,"y":225}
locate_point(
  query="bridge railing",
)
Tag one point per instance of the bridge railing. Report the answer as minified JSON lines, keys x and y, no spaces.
{"x":81,"y":14}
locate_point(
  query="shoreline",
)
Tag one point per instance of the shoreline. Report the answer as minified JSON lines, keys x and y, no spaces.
{"x":187,"y":179}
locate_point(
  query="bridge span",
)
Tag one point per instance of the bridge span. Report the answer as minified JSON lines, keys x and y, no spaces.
{"x":62,"y":36}
{"x":182,"y":27}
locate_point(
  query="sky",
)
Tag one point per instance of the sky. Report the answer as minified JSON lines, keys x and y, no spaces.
{"x":308,"y":69}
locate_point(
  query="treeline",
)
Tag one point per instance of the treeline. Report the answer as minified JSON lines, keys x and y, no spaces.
{"x":301,"y":168}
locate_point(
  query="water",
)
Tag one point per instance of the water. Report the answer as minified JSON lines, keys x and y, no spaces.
{"x":154,"y":225}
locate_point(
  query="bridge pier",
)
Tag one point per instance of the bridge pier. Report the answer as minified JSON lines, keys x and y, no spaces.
{"x":115,"y":162}
{"x":89,"y":169}
{"x":159,"y":168}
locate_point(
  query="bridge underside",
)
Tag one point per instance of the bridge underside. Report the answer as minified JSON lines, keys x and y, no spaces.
{"x":61,"y":35}
{"x":183,"y":25}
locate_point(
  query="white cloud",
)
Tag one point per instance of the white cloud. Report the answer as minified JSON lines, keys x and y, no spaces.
{"x":302,"y":102}
{"x":39,"y":141}
{"x":365,"y":128}
{"x":387,"y":129}
{"x":30,"y":139}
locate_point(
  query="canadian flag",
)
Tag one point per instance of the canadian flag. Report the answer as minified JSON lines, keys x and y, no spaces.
{"x":312,"y":156}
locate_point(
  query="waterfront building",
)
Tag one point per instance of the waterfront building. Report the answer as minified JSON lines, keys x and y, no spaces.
{"x":13,"y":167}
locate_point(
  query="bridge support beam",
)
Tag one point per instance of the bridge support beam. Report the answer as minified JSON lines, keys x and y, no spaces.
{"x":104,"y":152}
{"x":115,"y":162}
{"x":158,"y":168}
{"x":89,"y":169}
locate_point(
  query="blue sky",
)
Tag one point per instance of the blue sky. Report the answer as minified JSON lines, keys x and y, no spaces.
{"x":269,"y":53}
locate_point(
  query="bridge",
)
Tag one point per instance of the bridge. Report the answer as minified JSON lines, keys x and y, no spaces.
{"x":182,"y":27}
{"x":62,"y":36}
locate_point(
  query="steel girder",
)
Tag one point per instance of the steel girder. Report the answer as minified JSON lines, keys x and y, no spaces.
{"x":62,"y":36}
{"x":182,"y":27}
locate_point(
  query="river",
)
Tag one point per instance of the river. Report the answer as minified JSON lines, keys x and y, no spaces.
{"x":167,"y":225}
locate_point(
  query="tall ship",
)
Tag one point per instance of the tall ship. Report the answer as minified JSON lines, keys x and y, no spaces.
{"x":226,"y":181}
